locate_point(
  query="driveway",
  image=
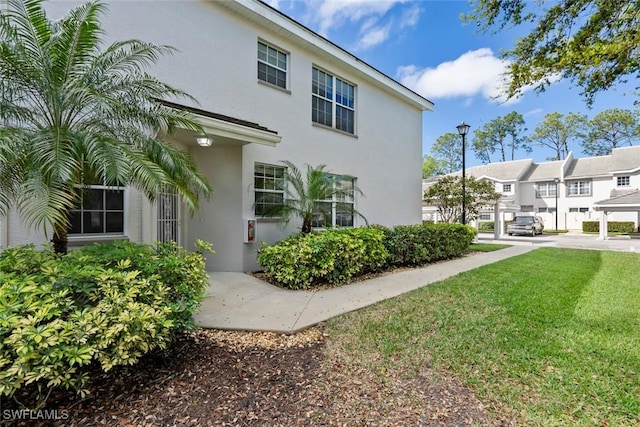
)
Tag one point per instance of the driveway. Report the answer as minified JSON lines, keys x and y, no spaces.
{"x":568,"y":240}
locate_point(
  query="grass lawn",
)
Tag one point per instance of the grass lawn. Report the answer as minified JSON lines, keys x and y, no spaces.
{"x":551,"y":337}
{"x":487,"y":247}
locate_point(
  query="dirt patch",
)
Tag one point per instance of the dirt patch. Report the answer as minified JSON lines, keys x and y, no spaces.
{"x":221,"y":378}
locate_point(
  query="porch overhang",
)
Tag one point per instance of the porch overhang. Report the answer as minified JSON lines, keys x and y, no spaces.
{"x":218,"y":128}
{"x":226,"y":129}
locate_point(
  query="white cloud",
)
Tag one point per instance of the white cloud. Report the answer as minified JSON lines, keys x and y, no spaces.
{"x":335,"y":13}
{"x":273,"y":3}
{"x":534,"y":112}
{"x":472,"y":73}
{"x":410,"y":17}
{"x":373,"y":36}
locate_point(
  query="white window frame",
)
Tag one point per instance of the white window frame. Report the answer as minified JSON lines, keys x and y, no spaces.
{"x":547,"y":189}
{"x":261,"y":191}
{"x":273,"y":63}
{"x":102,"y":212}
{"x":579,"y":187}
{"x":320,"y":220}
{"x":339,"y":102}
{"x":623,"y":181}
{"x":506,"y":188}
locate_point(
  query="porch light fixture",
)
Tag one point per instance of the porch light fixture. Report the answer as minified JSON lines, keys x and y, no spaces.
{"x":204,"y":141}
{"x":463,"y":129}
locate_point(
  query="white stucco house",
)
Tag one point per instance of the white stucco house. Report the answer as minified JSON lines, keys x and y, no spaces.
{"x":569,"y":191}
{"x":268,"y":89}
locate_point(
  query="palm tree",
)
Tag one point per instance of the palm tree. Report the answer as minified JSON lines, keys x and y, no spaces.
{"x":71,"y":112}
{"x":304,"y":196}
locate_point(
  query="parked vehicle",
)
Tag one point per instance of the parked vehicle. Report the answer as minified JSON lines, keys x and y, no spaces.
{"x":525,"y":224}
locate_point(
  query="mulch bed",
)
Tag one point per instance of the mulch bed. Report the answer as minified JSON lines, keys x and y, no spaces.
{"x":221,"y":378}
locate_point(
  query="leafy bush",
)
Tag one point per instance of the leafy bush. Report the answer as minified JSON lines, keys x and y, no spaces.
{"x":333,"y":256}
{"x":612,"y":226}
{"x":485,"y":226}
{"x":421,"y":244}
{"x":336,"y":256}
{"x":100,"y":306}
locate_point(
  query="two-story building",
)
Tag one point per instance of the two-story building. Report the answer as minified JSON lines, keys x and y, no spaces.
{"x":566,"y":192}
{"x":269,"y":89}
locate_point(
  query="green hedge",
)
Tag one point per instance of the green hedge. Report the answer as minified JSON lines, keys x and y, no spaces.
{"x":336,"y":256}
{"x":98,"y":307}
{"x":332,"y":256}
{"x":412,"y":245}
{"x":612,"y":226}
{"x":485,"y":226}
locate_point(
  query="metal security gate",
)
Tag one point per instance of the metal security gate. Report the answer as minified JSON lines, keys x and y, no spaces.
{"x":168,"y":216}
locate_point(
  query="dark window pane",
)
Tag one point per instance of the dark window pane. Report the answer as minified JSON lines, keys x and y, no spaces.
{"x":95,"y":200}
{"x":93,"y":222}
{"x":115,"y":222}
{"x":75,"y":226}
{"x":114,"y":200}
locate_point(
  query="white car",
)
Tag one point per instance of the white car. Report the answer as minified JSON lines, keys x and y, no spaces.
{"x":525,"y":224}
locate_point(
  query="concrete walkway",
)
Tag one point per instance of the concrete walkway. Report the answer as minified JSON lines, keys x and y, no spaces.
{"x":239,"y":301}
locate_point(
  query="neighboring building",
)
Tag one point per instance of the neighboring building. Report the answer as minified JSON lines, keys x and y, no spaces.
{"x":269,"y":89}
{"x":570,"y":191}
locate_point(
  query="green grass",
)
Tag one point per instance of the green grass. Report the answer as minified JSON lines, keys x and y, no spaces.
{"x":487,"y":247}
{"x":551,"y":337}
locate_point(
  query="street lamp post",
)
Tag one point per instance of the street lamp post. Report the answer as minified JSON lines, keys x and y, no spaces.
{"x":556,"y":180}
{"x":463,"y":128}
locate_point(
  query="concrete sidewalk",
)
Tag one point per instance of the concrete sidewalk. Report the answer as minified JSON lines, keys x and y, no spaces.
{"x":239,"y":301}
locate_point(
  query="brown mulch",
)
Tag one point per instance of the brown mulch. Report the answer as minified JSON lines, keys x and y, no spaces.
{"x":221,"y":378}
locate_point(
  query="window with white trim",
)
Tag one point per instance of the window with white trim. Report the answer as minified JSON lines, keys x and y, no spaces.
{"x":272,"y":65}
{"x":623,"y":181}
{"x":580,"y":210}
{"x":547,"y":189}
{"x":579,"y":188}
{"x":269,"y":182}
{"x":546,"y":209}
{"x":506,"y":188}
{"x":332,"y":101}
{"x":339,"y":210}
{"x":100,"y":210}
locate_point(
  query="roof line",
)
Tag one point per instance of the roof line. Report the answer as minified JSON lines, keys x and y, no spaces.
{"x":287,"y":17}
{"x":213,"y":115}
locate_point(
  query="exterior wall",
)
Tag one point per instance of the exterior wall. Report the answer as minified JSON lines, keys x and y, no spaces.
{"x":217,"y":63}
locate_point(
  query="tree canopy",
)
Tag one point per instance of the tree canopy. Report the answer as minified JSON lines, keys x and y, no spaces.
{"x":555,"y":132}
{"x":504,"y":134}
{"x":448,"y":151}
{"x":72,"y":113}
{"x":593,"y":43}
{"x":446,"y":195}
{"x":610,"y":129}
{"x":431,"y":167}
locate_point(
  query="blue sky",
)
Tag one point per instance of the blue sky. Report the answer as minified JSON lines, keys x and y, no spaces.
{"x":424,"y":45}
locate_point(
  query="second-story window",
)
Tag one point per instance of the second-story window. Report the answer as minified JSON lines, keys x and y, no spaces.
{"x":547,"y":189}
{"x":332,"y":101}
{"x":623,"y":181}
{"x":579,"y":188}
{"x":272,"y":65}
{"x":506,"y":188}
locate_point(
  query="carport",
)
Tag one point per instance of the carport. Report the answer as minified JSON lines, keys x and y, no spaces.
{"x":628,"y":202}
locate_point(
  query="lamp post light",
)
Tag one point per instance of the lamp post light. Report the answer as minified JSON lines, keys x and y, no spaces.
{"x":557,"y":181}
{"x":463,"y":129}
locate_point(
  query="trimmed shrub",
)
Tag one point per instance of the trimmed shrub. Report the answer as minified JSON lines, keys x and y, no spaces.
{"x":485,"y":226}
{"x":412,"y":245}
{"x":98,"y":307}
{"x":333,"y":256}
{"x":612,"y":226}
